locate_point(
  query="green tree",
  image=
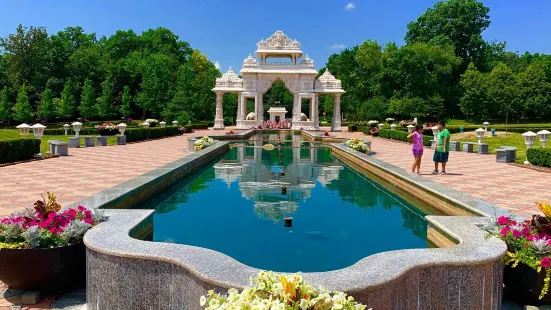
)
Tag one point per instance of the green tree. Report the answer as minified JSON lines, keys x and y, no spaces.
{"x":502,"y":92}
{"x":475,"y":101}
{"x":155,"y":93}
{"x":87,"y":106}
{"x":456,"y":22}
{"x":67,"y":108}
{"x":5,"y":106}
{"x":125,"y":108}
{"x":22,"y":110}
{"x":46,"y":109}
{"x":104,"y":106}
{"x":534,"y":88}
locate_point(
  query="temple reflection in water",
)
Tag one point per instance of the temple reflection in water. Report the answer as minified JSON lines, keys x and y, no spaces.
{"x":261,"y":174}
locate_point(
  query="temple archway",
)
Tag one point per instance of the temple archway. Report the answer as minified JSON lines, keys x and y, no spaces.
{"x":298,"y":76}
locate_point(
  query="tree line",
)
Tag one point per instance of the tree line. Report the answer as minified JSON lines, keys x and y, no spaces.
{"x":74,"y":74}
{"x":444,"y":69}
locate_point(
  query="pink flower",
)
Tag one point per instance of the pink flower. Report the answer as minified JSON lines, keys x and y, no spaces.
{"x":71,"y":213}
{"x":545,"y":262}
{"x":517,"y":233}
{"x":88,"y":220}
{"x":504,"y":231}
{"x":503,"y":220}
{"x":530,"y":238}
{"x":81,"y":208}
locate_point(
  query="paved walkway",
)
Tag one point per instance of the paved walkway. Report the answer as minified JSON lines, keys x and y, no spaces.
{"x":507,"y":186}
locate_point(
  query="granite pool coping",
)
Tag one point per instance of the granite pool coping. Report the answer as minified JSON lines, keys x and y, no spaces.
{"x":464,"y":200}
{"x":118,"y":243}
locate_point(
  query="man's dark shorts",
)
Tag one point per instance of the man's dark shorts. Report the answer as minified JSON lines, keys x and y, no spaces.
{"x":440,"y":157}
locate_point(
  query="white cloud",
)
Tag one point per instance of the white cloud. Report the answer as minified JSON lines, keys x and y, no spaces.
{"x":217,"y":65}
{"x":350,"y":6}
{"x":338,"y":46}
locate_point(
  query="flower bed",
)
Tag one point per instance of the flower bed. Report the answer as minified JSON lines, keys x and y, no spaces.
{"x":203,"y":143}
{"x":272,"y":291}
{"x":389,"y":120}
{"x":373,"y":123}
{"x":107,"y":129}
{"x":528,"y":248}
{"x":43,"y":247}
{"x":152,"y":122}
{"x":357,"y":145}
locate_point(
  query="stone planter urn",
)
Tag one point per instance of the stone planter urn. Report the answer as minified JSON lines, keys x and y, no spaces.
{"x":54,"y":270}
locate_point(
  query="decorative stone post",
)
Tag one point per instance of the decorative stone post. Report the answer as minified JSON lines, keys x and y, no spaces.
{"x":480,"y":134}
{"x":76,"y":127}
{"x":486,"y":124}
{"x":122,"y":128}
{"x":66,"y":128}
{"x":23,"y":129}
{"x":529,"y":140}
{"x":434,"y":133}
{"x":392,"y":126}
{"x":38,"y":131}
{"x":145,"y":125}
{"x":336,"y":125}
{"x":174,"y":123}
{"x":219,"y":118}
{"x":544,"y":137}
{"x":381,"y":126}
{"x":163,"y":124}
{"x":410,"y":128}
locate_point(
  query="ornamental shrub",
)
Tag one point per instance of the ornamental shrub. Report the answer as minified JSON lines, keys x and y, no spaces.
{"x":18,"y":149}
{"x":539,"y":157}
{"x":402,"y":136}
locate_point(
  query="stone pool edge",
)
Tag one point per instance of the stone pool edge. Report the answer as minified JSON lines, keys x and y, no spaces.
{"x":120,"y":267}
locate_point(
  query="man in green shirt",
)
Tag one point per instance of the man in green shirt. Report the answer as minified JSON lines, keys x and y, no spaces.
{"x":442,"y":147}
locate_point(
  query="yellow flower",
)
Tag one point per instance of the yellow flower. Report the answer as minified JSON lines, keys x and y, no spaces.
{"x":214,"y":303}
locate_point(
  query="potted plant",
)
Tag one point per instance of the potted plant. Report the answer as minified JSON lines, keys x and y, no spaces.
{"x":43,"y":247}
{"x":389,"y":120}
{"x":203,"y":143}
{"x":357,"y":145}
{"x":107,"y":129}
{"x":272,"y":291}
{"x":374,"y":131}
{"x":373,"y":123}
{"x":528,"y":259}
{"x":152,"y":122}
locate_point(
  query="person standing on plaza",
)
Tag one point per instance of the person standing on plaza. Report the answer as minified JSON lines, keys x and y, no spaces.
{"x":442,"y":150}
{"x":416,"y":138}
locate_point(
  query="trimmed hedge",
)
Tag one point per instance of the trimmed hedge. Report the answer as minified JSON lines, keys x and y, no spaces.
{"x":401,"y":136}
{"x":539,"y":157}
{"x":140,"y":134}
{"x":18,"y":149}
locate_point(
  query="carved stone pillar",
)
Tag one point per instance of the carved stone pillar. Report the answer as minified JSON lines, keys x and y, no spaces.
{"x":239,"y":108}
{"x":259,"y":112}
{"x":296,"y":111}
{"x":316,"y":112}
{"x":336,"y":125}
{"x":219,"y":117}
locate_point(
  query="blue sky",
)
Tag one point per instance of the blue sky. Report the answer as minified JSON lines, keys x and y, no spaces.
{"x":227,"y":30}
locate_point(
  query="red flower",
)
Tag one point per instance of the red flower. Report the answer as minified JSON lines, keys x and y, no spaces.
{"x":504,"y":231}
{"x":545,"y":262}
{"x":517,"y":233}
{"x":503,"y":220}
{"x":89,"y":221}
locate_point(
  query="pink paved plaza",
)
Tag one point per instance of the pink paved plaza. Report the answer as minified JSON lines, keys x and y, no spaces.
{"x":90,"y":170}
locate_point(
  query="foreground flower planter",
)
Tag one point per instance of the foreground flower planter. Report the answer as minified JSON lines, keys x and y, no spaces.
{"x":525,"y":284}
{"x":53,"y":270}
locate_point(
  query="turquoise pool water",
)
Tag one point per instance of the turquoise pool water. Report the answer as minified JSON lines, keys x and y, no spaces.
{"x":236,"y":206}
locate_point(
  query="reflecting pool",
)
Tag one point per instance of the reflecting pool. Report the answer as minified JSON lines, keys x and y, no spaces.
{"x":237,"y":206}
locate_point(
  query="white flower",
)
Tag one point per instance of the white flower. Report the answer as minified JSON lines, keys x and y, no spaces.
{"x":261,"y":286}
{"x":203,"y":301}
{"x":233,"y":291}
{"x":214,"y":303}
{"x":259,"y":307}
{"x":304,"y":304}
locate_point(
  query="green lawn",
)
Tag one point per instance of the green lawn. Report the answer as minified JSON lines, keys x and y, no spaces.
{"x":511,"y":139}
{"x":8,"y":134}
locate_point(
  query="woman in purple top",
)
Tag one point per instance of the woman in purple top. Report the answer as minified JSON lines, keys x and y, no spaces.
{"x":417,"y":147}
